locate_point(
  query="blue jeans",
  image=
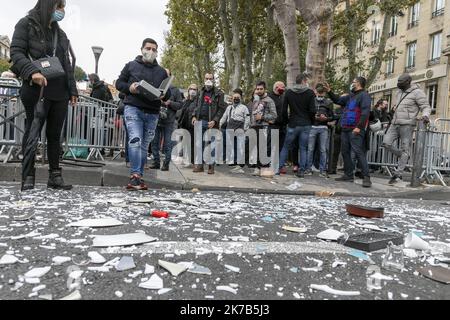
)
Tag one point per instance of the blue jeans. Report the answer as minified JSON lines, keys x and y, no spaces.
{"x":322,"y":135}
{"x":141,"y":132}
{"x":199,"y":160}
{"x":301,"y":134}
{"x":166,"y":133}
{"x":354,"y":143}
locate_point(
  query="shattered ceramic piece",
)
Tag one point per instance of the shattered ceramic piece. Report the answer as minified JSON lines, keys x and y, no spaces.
{"x":126,"y":263}
{"x":76,"y":274}
{"x":96,"y":258}
{"x":37,"y":272}
{"x":96,"y":223}
{"x":197,"y":269}
{"x":227,"y":289}
{"x":73,"y":296}
{"x":315,"y":269}
{"x":61,"y":260}
{"x":118,"y":294}
{"x":330,"y":235}
{"x":295,"y":229}
{"x":173,"y":268}
{"x":121,"y":240}
{"x":8,"y":259}
{"x":149,"y":269}
{"x":164,"y":291}
{"x":24,"y":217}
{"x":155,"y":283}
{"x":334,"y":292}
{"x":339,"y":264}
{"x":234,"y":269}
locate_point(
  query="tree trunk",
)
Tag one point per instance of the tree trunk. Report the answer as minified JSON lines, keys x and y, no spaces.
{"x":286,"y":17}
{"x":350,"y":42}
{"x":268,"y":62}
{"x":248,"y":49}
{"x":227,"y":36}
{"x":236,"y":46}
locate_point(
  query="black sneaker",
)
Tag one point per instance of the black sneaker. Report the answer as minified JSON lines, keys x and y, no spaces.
{"x":136,"y":184}
{"x":359,"y":175}
{"x":345,"y":179}
{"x":395,"y":179}
{"x":155,"y":165}
{"x":165,"y":166}
{"x":367,"y":183}
{"x":300,"y":174}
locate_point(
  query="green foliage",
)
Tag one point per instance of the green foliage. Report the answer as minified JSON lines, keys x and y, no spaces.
{"x":337,"y":83}
{"x":4,"y":65}
{"x":80,"y":75}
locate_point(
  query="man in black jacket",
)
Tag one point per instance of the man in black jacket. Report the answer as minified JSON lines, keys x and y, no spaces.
{"x":209,"y":110}
{"x":301,"y":103}
{"x":141,"y":113}
{"x":100,"y":90}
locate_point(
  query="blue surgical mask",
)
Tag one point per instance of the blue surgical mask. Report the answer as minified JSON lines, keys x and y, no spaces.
{"x":58,"y":15}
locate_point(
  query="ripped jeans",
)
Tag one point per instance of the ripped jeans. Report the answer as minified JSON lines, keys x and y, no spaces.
{"x":141,"y":129}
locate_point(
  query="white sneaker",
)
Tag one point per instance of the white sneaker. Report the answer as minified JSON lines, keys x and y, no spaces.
{"x":237,"y":170}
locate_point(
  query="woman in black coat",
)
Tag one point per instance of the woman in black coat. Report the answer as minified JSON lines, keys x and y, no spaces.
{"x":33,"y":39}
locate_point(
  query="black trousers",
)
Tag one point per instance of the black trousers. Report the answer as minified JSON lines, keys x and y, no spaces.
{"x":54,"y":113}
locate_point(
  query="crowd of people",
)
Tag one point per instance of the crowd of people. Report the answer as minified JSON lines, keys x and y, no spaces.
{"x":301,"y":115}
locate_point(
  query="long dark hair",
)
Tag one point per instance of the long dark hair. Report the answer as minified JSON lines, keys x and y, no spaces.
{"x":44,"y":9}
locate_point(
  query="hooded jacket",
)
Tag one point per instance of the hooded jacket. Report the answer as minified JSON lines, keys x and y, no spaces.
{"x":100,"y":91}
{"x":30,"y":40}
{"x":136,"y":71}
{"x":412,"y":102}
{"x":301,"y":102}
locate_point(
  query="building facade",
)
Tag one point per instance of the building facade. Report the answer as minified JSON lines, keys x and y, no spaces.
{"x":417,"y":42}
{"x":5,"y":45}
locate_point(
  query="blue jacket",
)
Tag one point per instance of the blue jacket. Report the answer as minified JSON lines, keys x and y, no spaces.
{"x":136,"y":71}
{"x":356,"y":111}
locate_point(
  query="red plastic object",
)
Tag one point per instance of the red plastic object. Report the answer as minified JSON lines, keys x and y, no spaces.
{"x":160,"y":214}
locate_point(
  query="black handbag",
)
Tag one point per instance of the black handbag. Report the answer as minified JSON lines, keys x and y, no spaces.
{"x":50,"y":67}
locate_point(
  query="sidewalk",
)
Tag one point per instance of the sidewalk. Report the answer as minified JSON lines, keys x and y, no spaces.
{"x":115,"y":174}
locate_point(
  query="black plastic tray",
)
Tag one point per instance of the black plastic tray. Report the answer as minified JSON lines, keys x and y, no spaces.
{"x":374,"y":241}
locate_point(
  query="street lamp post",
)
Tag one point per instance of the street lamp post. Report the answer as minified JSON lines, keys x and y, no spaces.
{"x":97,"y":53}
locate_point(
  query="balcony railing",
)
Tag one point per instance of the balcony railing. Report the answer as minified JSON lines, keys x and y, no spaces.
{"x":438,"y":13}
{"x":413,"y":24}
{"x":434,"y":61}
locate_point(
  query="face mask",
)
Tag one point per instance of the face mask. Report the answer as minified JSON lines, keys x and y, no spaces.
{"x":237,"y":101}
{"x":58,"y":15}
{"x":209,"y":85}
{"x":192,"y":93}
{"x":281,"y":91}
{"x":149,"y":56}
{"x":352,"y":88}
{"x":403,"y":86}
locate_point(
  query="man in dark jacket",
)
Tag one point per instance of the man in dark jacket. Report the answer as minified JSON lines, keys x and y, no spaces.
{"x":354,"y":122}
{"x":209,"y":110}
{"x":141,"y":113}
{"x":324,"y":114}
{"x":100,"y":90}
{"x":165,"y":129}
{"x":279,"y":88}
{"x":300,"y":101}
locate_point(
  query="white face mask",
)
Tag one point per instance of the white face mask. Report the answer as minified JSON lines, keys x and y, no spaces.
{"x":192,"y":93}
{"x":149,"y":55}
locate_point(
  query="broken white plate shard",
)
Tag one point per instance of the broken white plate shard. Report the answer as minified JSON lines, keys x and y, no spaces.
{"x":410,"y":253}
{"x":8,"y":259}
{"x":24,"y":217}
{"x":39,"y":288}
{"x":32,"y":280}
{"x":315,"y":269}
{"x":61,"y":260}
{"x":99,"y":269}
{"x":234,"y":269}
{"x":121,"y":240}
{"x":339,"y":264}
{"x":76,"y":274}
{"x":413,"y":241}
{"x":149,"y":269}
{"x":96,"y":258}
{"x":379,"y":276}
{"x":164,"y":291}
{"x":96,"y":223}
{"x":199,"y":270}
{"x":295,"y":229}
{"x":330,"y":235}
{"x":155,"y":283}
{"x":329,"y":290}
{"x":226,"y":288}
{"x":126,"y":263}
{"x":73,"y":296}
{"x":37,"y":272}
{"x":118,"y":294}
{"x":173,"y":268}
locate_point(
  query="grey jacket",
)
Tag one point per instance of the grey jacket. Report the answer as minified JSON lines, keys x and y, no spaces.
{"x":267,"y":108}
{"x":239,"y":113}
{"x":412,"y":102}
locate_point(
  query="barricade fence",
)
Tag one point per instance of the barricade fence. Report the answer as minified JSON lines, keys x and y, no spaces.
{"x":94,"y":126}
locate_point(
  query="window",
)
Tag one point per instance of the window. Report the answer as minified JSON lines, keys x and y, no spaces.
{"x":433,"y":97}
{"x":439,"y":8}
{"x":360,"y":43}
{"x":394,"y":26}
{"x":388,"y":97}
{"x":414,"y":14}
{"x":335,"y":51}
{"x":376,"y":33}
{"x":390,"y":62}
{"x":436,"y":48}
{"x":411,"y":55}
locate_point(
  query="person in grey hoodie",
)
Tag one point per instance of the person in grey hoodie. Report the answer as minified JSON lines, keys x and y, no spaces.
{"x":263,"y":113}
{"x":411,"y":101}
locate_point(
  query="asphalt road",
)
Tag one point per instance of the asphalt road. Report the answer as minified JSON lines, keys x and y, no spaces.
{"x":249,"y":236}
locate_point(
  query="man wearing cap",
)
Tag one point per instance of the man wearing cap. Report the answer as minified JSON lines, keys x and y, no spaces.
{"x":411,"y":100}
